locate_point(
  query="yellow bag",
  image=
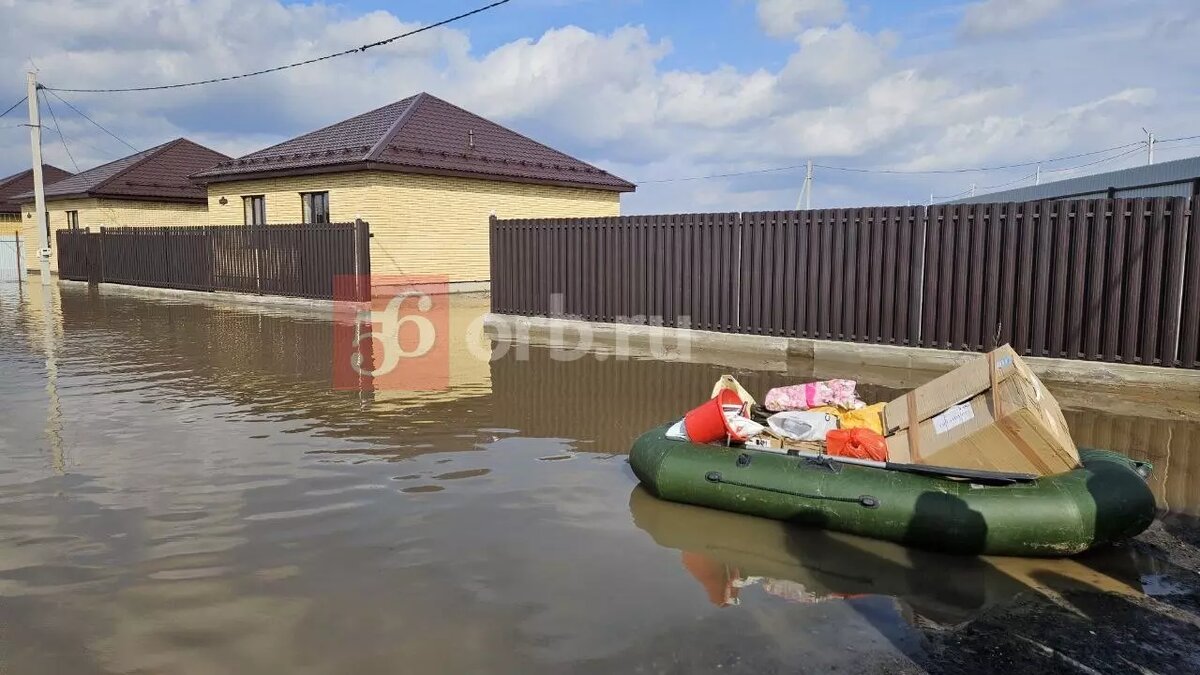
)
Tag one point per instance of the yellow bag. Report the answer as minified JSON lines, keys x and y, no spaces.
{"x":870,"y":417}
{"x":730,"y":383}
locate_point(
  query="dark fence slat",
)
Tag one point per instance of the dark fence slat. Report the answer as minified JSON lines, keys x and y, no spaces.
{"x":1173,"y":292}
{"x":1156,"y":241}
{"x":1135,"y":257}
{"x":933,"y":252}
{"x":1115,"y":281}
{"x":1189,"y":329}
{"x":1081,"y":229}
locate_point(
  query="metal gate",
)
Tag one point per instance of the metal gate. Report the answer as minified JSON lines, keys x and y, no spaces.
{"x":12,"y":258}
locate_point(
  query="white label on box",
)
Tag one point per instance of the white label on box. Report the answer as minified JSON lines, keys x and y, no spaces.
{"x":953,"y":417}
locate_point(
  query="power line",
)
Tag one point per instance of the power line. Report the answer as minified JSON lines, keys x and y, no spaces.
{"x":80,"y":113}
{"x":14,"y":106}
{"x":1179,"y":138}
{"x":58,"y":130}
{"x":987,"y":188}
{"x":297,"y":64}
{"x":1011,"y":182}
{"x":915,"y":172}
{"x":1099,"y":161}
{"x":982,"y":168}
{"x":727,"y":175}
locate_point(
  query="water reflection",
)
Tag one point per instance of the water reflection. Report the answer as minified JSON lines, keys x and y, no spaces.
{"x":206,"y":502}
{"x":728,"y":552}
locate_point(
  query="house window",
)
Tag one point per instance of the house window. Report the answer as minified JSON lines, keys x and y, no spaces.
{"x":72,"y":220}
{"x":315,"y":206}
{"x":255,"y":209}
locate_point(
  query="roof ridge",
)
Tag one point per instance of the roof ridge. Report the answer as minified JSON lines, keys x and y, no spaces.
{"x":10,"y":179}
{"x":261,"y":151}
{"x":513,"y":131}
{"x":149,"y":152}
{"x":377,"y":149}
{"x":21,"y":174}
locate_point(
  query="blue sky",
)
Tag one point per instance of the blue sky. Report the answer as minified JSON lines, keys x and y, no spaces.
{"x":705,"y":33}
{"x":650,"y":90}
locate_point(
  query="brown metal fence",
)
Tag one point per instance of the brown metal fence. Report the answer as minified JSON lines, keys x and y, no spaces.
{"x":292,"y":260}
{"x":1107,"y":280}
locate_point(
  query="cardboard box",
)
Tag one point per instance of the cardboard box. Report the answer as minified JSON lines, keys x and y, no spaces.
{"x":770,"y":441}
{"x":992,"y":414}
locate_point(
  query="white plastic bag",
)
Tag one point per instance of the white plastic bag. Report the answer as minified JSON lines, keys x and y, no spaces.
{"x":742,"y":427}
{"x":677,"y":431}
{"x":799,"y":425}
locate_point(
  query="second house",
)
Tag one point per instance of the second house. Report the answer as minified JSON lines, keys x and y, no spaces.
{"x":424,"y":173}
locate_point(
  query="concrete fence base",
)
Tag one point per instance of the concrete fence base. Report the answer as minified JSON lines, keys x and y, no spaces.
{"x":774,"y":353}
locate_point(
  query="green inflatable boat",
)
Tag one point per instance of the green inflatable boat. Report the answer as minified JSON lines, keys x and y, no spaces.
{"x":1105,"y":500}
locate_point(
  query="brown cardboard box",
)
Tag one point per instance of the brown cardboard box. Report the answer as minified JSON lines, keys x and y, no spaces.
{"x":769,"y":440}
{"x":991,"y":414}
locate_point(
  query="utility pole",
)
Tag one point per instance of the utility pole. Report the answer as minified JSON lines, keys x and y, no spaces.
{"x":1037,"y":177}
{"x":1149,"y":146}
{"x":972,"y":189}
{"x":39,"y":190}
{"x":806,"y":191}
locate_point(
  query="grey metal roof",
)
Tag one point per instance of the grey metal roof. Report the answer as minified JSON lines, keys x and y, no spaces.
{"x":1166,"y":173}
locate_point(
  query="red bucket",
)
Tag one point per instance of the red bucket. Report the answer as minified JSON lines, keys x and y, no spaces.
{"x":706,"y":423}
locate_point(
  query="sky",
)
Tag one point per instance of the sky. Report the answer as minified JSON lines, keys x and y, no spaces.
{"x":660,"y":92}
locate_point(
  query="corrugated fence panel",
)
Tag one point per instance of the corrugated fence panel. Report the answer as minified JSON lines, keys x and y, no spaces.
{"x":1097,"y":279}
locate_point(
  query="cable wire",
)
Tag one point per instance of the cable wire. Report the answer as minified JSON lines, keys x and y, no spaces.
{"x":14,"y":106}
{"x":1011,"y":182}
{"x":297,"y":64}
{"x":80,"y":113}
{"x":724,"y":175}
{"x":915,"y":172}
{"x":982,"y":168}
{"x":1099,"y":161}
{"x":1178,"y":138}
{"x":58,"y":130}
{"x":988,"y":188}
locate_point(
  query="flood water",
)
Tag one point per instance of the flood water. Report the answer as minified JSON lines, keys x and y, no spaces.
{"x":182,"y":491}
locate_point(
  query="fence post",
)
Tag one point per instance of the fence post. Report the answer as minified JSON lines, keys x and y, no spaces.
{"x":493,"y":258}
{"x":166,"y":238}
{"x":17,"y":253}
{"x":362,"y":259}
{"x":98,"y":267}
{"x":210,"y":244}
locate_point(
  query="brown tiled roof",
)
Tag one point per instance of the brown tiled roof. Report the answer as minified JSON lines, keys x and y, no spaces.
{"x":160,"y":174}
{"x":23,"y":182}
{"x":421,"y":134}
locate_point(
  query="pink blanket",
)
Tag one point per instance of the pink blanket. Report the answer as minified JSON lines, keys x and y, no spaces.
{"x":813,"y":394}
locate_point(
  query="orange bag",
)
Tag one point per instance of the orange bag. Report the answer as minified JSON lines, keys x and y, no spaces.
{"x":859,"y":443}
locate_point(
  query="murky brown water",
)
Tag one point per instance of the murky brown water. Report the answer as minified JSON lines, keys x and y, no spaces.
{"x":181,"y":491}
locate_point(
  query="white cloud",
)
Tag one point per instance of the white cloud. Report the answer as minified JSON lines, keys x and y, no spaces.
{"x":837,"y":93}
{"x":1002,"y":16}
{"x":785,"y":18}
{"x":834,"y":59}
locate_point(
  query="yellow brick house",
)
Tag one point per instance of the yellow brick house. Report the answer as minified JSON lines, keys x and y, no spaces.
{"x":424,"y":173}
{"x":148,"y":188}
